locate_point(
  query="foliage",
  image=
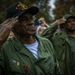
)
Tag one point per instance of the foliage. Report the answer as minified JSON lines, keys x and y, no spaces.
{"x":63,"y":7}
{"x":42,"y":5}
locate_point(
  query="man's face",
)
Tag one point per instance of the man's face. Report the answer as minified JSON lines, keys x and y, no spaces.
{"x":70,"y":24}
{"x":26,"y":24}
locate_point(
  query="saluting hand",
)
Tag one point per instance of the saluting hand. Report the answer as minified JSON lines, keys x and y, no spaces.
{"x":5,"y":29}
{"x":9,"y":23}
{"x":60,"y":21}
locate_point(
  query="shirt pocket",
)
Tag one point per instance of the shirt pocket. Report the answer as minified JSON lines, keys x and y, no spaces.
{"x":20,"y":67}
{"x":47,"y":65}
{"x":16,"y":66}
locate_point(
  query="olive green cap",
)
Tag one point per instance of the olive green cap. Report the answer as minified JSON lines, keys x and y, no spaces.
{"x":66,"y":16}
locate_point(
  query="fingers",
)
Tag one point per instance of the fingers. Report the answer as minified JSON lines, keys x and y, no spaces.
{"x":43,"y":22}
{"x":10,"y":22}
{"x":63,"y":19}
{"x":5,"y":21}
{"x":60,"y":21}
{"x":41,"y":19}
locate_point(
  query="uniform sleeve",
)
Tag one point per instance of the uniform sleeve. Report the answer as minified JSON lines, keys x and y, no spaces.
{"x":49,"y":32}
{"x":2,"y":60}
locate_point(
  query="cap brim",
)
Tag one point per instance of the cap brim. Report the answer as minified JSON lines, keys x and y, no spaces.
{"x":71,"y":17}
{"x":33,"y":10}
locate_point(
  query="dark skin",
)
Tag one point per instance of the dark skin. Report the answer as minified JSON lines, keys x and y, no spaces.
{"x":5,"y":29}
{"x":25,"y":30}
{"x":70,"y":26}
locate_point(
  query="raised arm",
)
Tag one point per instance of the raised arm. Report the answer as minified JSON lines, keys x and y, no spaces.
{"x":49,"y":32}
{"x":5,"y":29}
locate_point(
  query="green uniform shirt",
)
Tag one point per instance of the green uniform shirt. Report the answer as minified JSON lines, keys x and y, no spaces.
{"x":62,"y":48}
{"x":16,"y":59}
{"x":72,"y":44}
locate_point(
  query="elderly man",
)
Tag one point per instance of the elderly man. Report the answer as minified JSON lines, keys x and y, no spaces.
{"x":26,"y":54}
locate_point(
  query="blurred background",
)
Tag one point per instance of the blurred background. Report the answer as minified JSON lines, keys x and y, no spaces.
{"x":49,"y":9}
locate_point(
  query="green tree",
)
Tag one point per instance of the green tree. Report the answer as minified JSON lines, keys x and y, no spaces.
{"x":42,"y":5}
{"x":63,"y":7}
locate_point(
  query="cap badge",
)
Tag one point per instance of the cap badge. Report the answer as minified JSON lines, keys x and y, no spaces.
{"x":21,"y":6}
